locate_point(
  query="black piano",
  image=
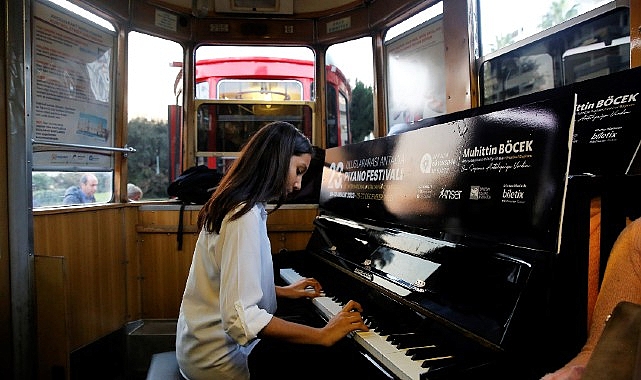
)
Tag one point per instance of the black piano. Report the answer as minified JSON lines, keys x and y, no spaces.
{"x":450,"y":237}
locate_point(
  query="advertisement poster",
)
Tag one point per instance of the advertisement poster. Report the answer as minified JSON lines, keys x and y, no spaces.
{"x":420,"y":95}
{"x":607,"y":133}
{"x":72,"y":91}
{"x":499,"y":176}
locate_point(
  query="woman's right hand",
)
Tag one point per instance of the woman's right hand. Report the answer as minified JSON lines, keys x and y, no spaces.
{"x":347,"y":320}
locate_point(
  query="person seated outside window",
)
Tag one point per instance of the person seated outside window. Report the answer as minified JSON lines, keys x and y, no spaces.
{"x":134,"y":193}
{"x":84,"y":193}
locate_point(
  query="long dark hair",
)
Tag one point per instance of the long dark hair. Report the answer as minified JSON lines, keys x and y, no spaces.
{"x":259,"y":174}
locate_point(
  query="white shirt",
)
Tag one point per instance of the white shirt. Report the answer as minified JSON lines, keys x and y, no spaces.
{"x":229,"y":297}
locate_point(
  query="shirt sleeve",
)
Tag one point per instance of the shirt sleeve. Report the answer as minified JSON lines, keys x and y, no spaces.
{"x":241,"y":277}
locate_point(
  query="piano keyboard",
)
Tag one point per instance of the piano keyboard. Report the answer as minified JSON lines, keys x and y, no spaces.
{"x":392,"y":351}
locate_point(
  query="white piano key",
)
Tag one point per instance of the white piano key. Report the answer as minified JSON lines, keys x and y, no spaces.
{"x":289,"y":275}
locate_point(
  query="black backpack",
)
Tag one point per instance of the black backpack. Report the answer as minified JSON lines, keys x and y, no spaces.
{"x":194,"y":186}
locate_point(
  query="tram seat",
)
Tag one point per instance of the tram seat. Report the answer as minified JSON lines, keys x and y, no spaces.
{"x":164,"y":366}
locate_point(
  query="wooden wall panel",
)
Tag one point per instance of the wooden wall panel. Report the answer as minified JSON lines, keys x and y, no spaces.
{"x":164,"y":271}
{"x":51,"y":312}
{"x":164,"y":268}
{"x":122,"y":263}
{"x":92,"y":243}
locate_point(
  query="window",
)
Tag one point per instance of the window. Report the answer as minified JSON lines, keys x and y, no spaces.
{"x":350,"y":77}
{"x":268,"y":90}
{"x":597,"y":45}
{"x":267,"y":73}
{"x":416,"y":46}
{"x":504,"y":22}
{"x":73,"y":108}
{"x":154,"y":113}
{"x":239,"y":89}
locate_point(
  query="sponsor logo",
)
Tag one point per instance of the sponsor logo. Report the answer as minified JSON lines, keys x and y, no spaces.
{"x":480,"y":192}
{"x":449,"y":194}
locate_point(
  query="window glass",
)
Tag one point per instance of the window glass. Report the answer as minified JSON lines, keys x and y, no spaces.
{"x":332,"y":118}
{"x":224,"y":127}
{"x":154,"y":113}
{"x":598,"y":46}
{"x":73,"y":106}
{"x":254,"y":72}
{"x":343,"y":119}
{"x":351,"y":76}
{"x":414,"y":21}
{"x":504,"y":22}
{"x":268,"y":90}
{"x":416,"y":48}
{"x":71,"y":188}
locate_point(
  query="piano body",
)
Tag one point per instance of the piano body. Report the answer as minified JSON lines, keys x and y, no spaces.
{"x":466,"y":240}
{"x":445,"y":235}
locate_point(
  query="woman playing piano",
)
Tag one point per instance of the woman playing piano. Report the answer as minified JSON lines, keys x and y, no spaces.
{"x":226,"y":320}
{"x":621,"y":282}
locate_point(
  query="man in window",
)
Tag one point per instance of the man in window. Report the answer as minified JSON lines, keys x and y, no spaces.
{"x":83,"y":193}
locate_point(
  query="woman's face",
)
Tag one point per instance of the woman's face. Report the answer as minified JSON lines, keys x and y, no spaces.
{"x":297,"y":167}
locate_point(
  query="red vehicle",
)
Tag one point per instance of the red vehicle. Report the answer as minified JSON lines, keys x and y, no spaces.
{"x":222,"y":130}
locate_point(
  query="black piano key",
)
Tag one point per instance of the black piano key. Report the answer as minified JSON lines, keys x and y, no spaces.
{"x":422,"y":353}
{"x":409,"y":340}
{"x":439,"y":363}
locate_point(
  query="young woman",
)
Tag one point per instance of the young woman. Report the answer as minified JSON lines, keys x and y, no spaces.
{"x":230,"y":297}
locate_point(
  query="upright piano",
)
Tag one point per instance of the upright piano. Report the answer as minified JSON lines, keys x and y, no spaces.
{"x":465,"y":241}
{"x":445,"y":235}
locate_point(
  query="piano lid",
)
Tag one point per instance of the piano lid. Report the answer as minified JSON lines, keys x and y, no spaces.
{"x":499,"y":176}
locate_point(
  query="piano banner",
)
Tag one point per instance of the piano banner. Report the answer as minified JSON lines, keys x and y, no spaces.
{"x":499,"y":176}
{"x":607,"y":133}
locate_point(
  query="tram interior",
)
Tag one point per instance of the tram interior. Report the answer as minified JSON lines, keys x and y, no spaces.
{"x":92,"y":291}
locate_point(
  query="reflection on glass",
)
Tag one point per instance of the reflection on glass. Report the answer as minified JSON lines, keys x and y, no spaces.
{"x":595,"y":60}
{"x":596,"y":47}
{"x":420,"y":51}
{"x":515,"y":76}
{"x":504,"y":22}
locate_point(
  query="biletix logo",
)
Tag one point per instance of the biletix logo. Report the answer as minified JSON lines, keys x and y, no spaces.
{"x":514,"y":194}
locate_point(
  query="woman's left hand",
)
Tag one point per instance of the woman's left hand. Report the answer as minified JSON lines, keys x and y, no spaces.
{"x":305,"y":287}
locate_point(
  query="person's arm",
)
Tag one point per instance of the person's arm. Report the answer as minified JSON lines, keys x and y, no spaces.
{"x":621,"y":282}
{"x":347,"y":320}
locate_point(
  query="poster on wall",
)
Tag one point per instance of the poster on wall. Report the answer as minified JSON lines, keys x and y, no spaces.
{"x":72,"y":97}
{"x":499,"y":176}
{"x":416,"y":72}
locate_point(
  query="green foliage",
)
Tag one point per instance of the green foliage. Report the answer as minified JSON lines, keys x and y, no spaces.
{"x":558,"y":13}
{"x":361,"y":111}
{"x":148,"y":167}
